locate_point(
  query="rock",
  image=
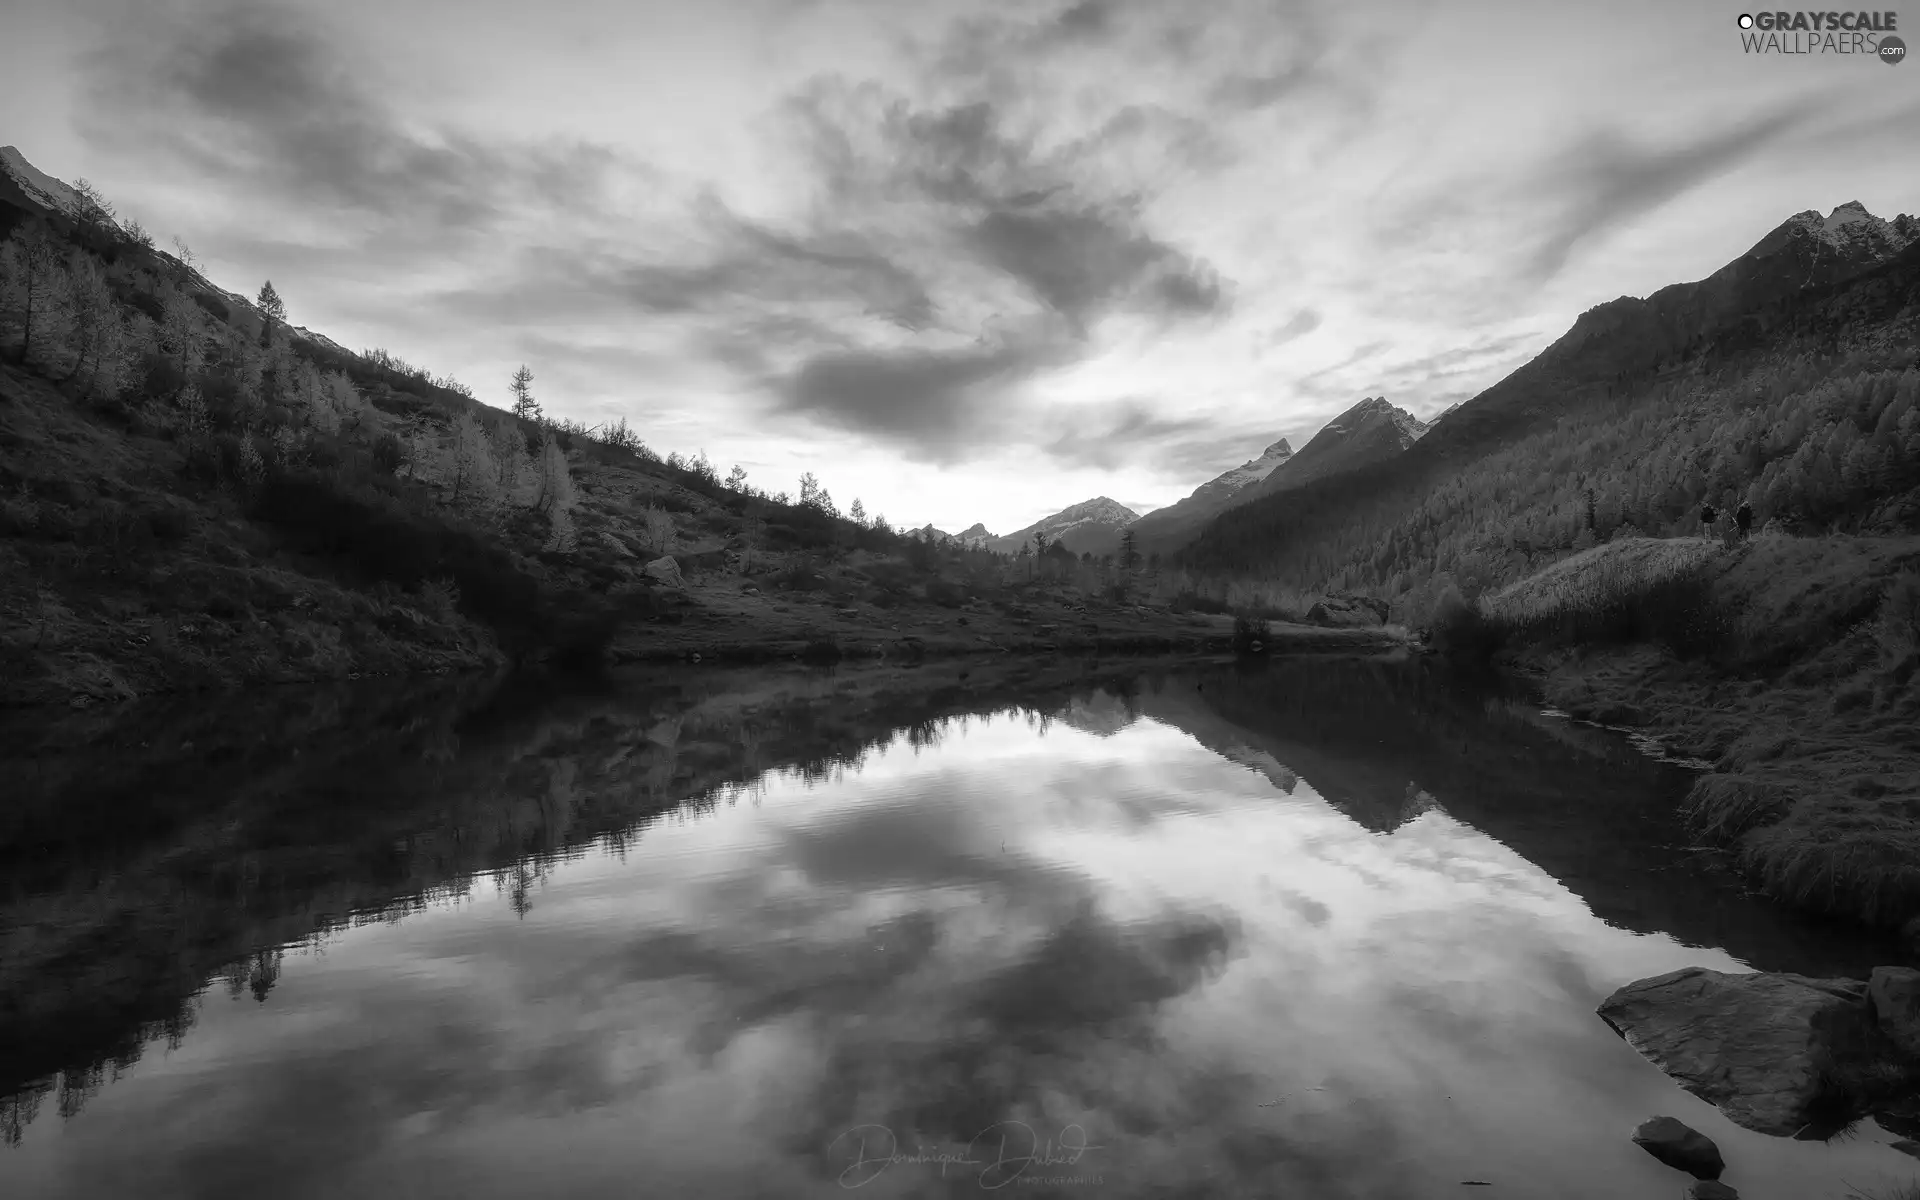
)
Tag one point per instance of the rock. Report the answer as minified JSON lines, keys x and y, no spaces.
{"x":1756,"y":1045}
{"x":1711,"y":1189}
{"x":664,"y":570}
{"x":1895,"y":994}
{"x":1344,"y":611}
{"x":1910,"y":933}
{"x":616,"y":545}
{"x":847,"y":612}
{"x":1908,"y":1147}
{"x":1680,"y":1146}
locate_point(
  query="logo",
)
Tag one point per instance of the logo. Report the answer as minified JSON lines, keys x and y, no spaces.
{"x":1869,"y":34}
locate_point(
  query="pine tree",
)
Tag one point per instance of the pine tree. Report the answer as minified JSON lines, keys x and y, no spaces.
{"x":524,"y":405}
{"x":270,"y":302}
{"x":1129,"y":553}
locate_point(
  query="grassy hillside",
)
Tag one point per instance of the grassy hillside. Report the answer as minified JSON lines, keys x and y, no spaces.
{"x":195,"y":494}
{"x":1790,"y":664}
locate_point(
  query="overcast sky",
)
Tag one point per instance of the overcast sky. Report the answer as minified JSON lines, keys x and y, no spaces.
{"x":967,"y":261}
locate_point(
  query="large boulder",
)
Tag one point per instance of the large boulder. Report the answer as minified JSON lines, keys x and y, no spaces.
{"x":1895,"y":994}
{"x":664,"y":570}
{"x":1681,"y":1147}
{"x":1760,"y":1046}
{"x":1346,"y":611}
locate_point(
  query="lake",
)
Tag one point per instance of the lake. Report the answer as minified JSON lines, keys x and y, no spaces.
{"x":1312,"y":928}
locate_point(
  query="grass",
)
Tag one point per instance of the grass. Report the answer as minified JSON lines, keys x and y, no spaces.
{"x":1908,"y":1190}
{"x":1631,"y":590}
{"x":1790,"y":664}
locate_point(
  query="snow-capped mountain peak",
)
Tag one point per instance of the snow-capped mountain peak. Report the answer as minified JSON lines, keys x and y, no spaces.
{"x":1849,"y":229}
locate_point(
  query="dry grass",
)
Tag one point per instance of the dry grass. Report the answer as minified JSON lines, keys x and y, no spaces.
{"x":1908,"y":1190}
{"x":1808,"y":711}
{"x":1598,"y":580}
{"x":1634,"y":589}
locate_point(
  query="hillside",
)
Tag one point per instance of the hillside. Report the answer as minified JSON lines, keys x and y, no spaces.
{"x":1089,"y":527}
{"x":196,"y":493}
{"x":1785,"y":379}
{"x":1170,"y":527}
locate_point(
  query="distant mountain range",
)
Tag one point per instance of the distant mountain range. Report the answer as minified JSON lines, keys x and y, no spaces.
{"x":1090,"y":527}
{"x":1370,"y":431}
{"x":1630,"y":410}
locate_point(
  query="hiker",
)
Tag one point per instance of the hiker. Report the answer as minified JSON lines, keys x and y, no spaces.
{"x":1706,"y":520}
{"x":1743,"y":518}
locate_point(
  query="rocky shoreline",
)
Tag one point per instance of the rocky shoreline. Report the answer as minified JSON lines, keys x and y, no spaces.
{"x":1780,"y":1054}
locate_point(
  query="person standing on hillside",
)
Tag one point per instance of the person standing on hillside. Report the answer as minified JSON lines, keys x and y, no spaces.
{"x":1707,"y":516}
{"x":1743,"y":519}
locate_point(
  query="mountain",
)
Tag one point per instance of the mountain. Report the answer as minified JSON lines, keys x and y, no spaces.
{"x":1174,"y":524}
{"x":28,"y":188}
{"x":1371,"y":431}
{"x":1757,"y":381}
{"x":1092,"y":526}
{"x":974,"y":535}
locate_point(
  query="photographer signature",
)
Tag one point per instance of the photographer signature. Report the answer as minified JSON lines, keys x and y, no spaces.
{"x":1013,"y":1146}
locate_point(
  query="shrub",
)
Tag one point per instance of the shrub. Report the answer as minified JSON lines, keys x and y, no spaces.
{"x":1460,"y":630}
{"x":1250,"y":633}
{"x":821,"y":650}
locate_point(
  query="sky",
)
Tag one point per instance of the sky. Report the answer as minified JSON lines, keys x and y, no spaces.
{"x":968,"y":261}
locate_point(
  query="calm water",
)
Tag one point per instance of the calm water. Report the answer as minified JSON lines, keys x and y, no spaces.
{"x":1313,"y":930}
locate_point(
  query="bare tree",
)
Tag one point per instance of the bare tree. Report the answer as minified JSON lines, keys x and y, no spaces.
{"x":90,"y":208}
{"x":510,"y":460}
{"x":737,"y":478}
{"x":33,"y":284}
{"x":181,"y":335}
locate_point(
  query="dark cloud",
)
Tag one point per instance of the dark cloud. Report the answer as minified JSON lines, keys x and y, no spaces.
{"x":1079,"y":262}
{"x":1608,"y":179}
{"x":1299,"y":325}
{"x":937,"y":404}
{"x":257,"y":101}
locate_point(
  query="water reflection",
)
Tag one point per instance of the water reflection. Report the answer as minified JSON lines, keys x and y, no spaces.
{"x":1313,"y":929}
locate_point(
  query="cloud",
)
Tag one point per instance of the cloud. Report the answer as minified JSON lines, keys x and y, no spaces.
{"x":1604,"y":179}
{"x":259,"y":103}
{"x":936,"y":404}
{"x":1123,"y":432}
{"x":1299,"y":325}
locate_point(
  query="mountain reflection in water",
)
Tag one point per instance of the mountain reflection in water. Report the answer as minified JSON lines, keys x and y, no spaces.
{"x":1312,"y":928}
